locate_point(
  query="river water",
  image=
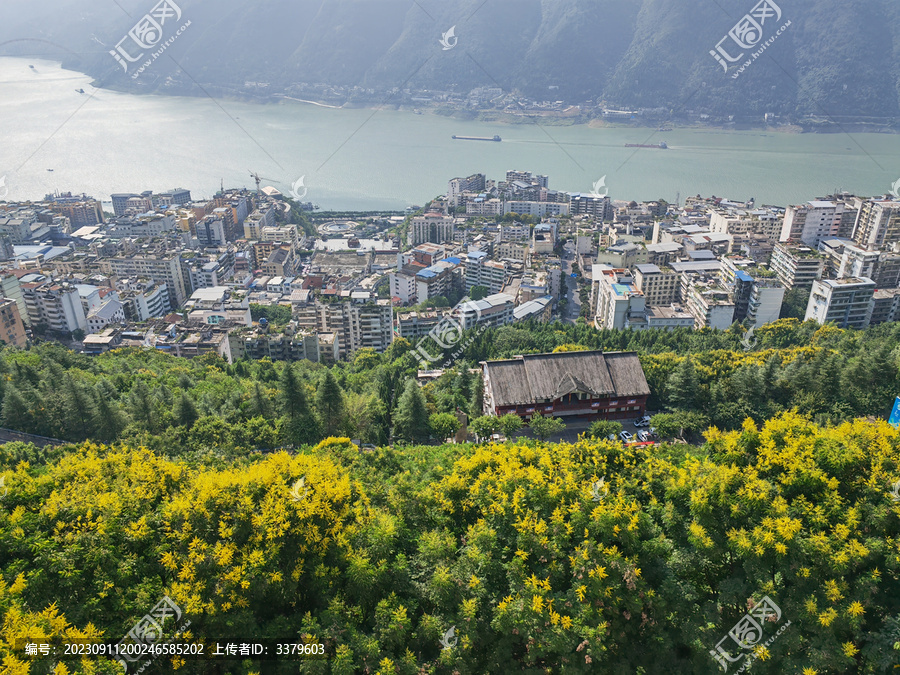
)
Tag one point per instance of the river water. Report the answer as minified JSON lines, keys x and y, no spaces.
{"x":101,"y":142}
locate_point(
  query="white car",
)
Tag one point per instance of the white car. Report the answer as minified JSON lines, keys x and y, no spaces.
{"x":643,"y":435}
{"x":642,"y":421}
{"x":625,"y":436}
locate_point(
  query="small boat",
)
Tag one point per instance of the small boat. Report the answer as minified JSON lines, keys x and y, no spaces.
{"x":32,"y":67}
{"x":80,"y":91}
{"x":49,"y":169}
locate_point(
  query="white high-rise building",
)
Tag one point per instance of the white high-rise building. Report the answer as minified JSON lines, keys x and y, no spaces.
{"x":845,"y":302}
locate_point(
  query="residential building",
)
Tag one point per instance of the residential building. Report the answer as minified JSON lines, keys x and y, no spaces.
{"x":514,"y":250}
{"x":796,"y":266}
{"x":404,"y":287}
{"x":257,"y":220}
{"x":11,"y":289}
{"x":211,"y":232}
{"x":161,"y":268}
{"x":591,"y":205}
{"x":766,"y":299}
{"x":111,"y":311}
{"x":457,"y":186}
{"x":812,"y":222}
{"x":491,"y":312}
{"x":143,"y":299}
{"x":480,"y":271}
{"x":885,"y":306}
{"x":593,"y":385}
{"x":12,"y":330}
{"x":878,"y":223}
{"x":709,"y":303}
{"x":414,"y":325}
{"x":443,"y":279}
{"x":659,"y":287}
{"x":281,"y":263}
{"x":54,"y":305}
{"x":536,"y":209}
{"x":844,"y":302}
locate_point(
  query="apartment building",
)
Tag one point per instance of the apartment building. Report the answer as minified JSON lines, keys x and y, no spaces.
{"x":878,"y":223}
{"x":143,"y":299}
{"x":161,"y":268}
{"x":537,"y":209}
{"x":616,"y":301}
{"x":766,"y":299}
{"x":659,"y":287}
{"x":845,"y":302}
{"x":514,"y":250}
{"x":143,"y":226}
{"x":111,"y":311}
{"x":457,"y":186}
{"x":443,"y":279}
{"x":54,"y":305}
{"x":589,"y":205}
{"x":885,"y":306}
{"x":12,"y":330}
{"x":796,"y":266}
{"x":710,"y":304}
{"x":491,"y":312}
{"x":814,"y":221}
{"x":480,"y":271}
{"x":257,"y":220}
{"x":404,"y":287}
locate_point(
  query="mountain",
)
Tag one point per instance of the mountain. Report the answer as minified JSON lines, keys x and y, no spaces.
{"x":837,"y":59}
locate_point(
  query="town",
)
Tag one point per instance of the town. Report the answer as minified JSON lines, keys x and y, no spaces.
{"x":247,"y":274}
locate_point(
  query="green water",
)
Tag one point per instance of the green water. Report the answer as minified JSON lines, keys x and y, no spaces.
{"x":102,"y":142}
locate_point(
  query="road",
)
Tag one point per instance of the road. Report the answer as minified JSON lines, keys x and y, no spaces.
{"x":573,"y":309}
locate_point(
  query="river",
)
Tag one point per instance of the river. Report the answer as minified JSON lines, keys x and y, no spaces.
{"x":101,"y":142}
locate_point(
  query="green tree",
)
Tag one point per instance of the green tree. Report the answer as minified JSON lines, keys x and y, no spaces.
{"x":545,"y":426}
{"x":260,"y":403}
{"x":411,"y":417}
{"x":479,"y":292}
{"x":141,"y":405}
{"x":185,"y":411}
{"x":666,"y":425}
{"x":682,"y":385}
{"x":16,"y":411}
{"x":604,"y":429}
{"x":81,"y":411}
{"x":330,"y":404}
{"x":443,"y":425}
{"x":484,"y":427}
{"x":301,"y":427}
{"x":509,"y":424}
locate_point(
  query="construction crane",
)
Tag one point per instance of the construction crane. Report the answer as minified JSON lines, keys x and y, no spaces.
{"x":259,"y":179}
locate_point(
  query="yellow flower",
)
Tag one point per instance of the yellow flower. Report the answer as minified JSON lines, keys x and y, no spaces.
{"x":566,"y":622}
{"x":580,"y":592}
{"x":826,"y":617}
{"x":537,"y":603}
{"x":856,"y":609}
{"x":810,"y":671}
{"x":850,"y":649}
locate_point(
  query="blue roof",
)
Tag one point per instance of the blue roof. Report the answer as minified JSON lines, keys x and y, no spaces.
{"x":426,"y":274}
{"x":453,"y":260}
{"x":743,"y":276}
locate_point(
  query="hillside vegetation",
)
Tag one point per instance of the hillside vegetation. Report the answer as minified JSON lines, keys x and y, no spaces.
{"x":839,"y":58}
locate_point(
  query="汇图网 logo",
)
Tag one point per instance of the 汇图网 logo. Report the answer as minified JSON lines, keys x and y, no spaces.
{"x":147,"y":34}
{"x":748,"y":34}
{"x":298,"y":189}
{"x":598,"y":186}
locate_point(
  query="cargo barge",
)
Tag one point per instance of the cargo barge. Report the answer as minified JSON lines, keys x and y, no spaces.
{"x":495,"y":139}
{"x":655,"y":146}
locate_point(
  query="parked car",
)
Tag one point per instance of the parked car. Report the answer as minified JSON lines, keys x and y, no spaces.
{"x":642,"y":421}
{"x":643,"y":436}
{"x":625,"y":436}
